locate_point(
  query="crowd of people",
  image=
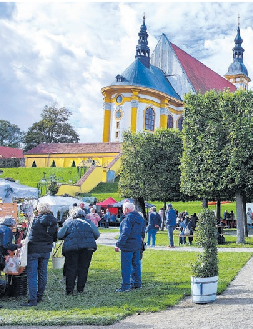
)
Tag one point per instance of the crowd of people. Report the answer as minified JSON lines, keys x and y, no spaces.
{"x":79,"y":233}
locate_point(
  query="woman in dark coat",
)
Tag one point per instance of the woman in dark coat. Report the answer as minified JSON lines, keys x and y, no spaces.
{"x":79,"y":237}
{"x":40,"y":242}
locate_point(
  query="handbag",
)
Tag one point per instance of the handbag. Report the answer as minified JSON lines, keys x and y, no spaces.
{"x":12,"y":264}
{"x":187,"y":231}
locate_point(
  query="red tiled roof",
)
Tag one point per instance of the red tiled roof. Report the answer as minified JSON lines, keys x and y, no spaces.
{"x":201,"y":77}
{"x":10,"y":152}
{"x":74,"y":148}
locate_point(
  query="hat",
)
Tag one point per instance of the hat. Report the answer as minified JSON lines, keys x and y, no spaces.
{"x":169,"y":205}
{"x":8,"y":221}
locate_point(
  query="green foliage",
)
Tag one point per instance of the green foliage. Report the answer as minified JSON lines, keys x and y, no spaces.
{"x":106,"y":187}
{"x":31,"y":176}
{"x":10,"y":134}
{"x":217,"y":160}
{"x":150,"y":165}
{"x":53,"y":128}
{"x":206,"y":237}
{"x":99,"y":305}
{"x":53,"y":188}
{"x":11,"y":162}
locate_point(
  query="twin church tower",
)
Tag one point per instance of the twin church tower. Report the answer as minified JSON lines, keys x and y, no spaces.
{"x":149,"y":93}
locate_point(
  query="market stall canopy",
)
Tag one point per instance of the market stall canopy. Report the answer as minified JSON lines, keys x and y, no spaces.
{"x":60,"y":203}
{"x":11,"y":190}
{"x":108,"y":202}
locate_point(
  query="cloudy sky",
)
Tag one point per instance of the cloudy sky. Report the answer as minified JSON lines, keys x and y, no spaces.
{"x":66,"y":52}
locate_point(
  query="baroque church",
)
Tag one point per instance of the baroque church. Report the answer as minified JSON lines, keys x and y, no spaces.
{"x":147,"y":95}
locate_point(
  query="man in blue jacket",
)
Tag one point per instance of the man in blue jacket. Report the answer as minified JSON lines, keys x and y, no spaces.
{"x":132,"y":228}
{"x":171,"y":223}
{"x":154,"y":223}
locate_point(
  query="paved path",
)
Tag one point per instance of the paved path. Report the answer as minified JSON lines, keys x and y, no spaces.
{"x":231,"y":310}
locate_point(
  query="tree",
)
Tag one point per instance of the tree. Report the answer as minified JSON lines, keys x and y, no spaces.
{"x":53,"y":128}
{"x":10,"y":134}
{"x":217,"y":161}
{"x":150,"y":165}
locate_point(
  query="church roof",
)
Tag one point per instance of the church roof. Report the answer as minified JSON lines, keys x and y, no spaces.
{"x":10,"y":152}
{"x":139,"y":75}
{"x":75,"y":148}
{"x":201,"y":77}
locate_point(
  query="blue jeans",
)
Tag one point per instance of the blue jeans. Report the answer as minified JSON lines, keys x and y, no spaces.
{"x":151,"y":234}
{"x":130,"y":268}
{"x":170,"y":234}
{"x":37,"y":274}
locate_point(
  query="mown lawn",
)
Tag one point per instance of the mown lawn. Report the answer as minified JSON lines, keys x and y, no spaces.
{"x":166,"y":280}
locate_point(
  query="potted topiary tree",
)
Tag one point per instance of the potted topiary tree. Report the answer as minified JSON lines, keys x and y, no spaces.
{"x":205,"y":271}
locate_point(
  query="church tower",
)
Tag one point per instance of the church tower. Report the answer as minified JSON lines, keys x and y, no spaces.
{"x":141,"y":98}
{"x":237,"y":72}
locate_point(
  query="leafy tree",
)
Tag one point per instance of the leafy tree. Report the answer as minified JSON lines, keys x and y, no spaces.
{"x":53,"y":128}
{"x":10,"y":134}
{"x":217,"y":161}
{"x":150,"y":165}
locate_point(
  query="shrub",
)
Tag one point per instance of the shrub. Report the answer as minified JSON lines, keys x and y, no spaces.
{"x":206,"y":237}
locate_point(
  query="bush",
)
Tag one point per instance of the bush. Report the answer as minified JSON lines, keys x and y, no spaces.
{"x":206,"y":236}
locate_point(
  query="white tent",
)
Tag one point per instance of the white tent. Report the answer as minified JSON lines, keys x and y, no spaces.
{"x":60,"y":203}
{"x":10,"y":190}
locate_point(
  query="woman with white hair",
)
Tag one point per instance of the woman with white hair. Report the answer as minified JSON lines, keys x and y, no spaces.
{"x":93,"y":216}
{"x":40,"y":242}
{"x":79,"y":237}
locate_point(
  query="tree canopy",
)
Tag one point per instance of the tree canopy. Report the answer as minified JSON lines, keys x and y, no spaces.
{"x":150,"y":165}
{"x":53,"y":128}
{"x":10,"y":134}
{"x":217,"y":159}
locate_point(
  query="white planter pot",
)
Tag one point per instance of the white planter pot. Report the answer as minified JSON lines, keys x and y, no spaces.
{"x":58,"y":262}
{"x":204,"y":290}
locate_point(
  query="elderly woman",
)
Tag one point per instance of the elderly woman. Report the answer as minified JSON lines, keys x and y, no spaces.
{"x":79,"y":237}
{"x":40,"y":242}
{"x":93,"y":216}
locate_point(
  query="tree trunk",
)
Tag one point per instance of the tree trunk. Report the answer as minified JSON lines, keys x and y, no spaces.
{"x":218,"y":216}
{"x":239,"y":217}
{"x":244,"y":215}
{"x":205,"y":203}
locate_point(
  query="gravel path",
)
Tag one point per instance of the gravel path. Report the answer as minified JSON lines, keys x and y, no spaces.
{"x":231,"y":310}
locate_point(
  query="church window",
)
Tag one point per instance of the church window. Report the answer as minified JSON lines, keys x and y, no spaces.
{"x":119,"y":99}
{"x":117,"y":134}
{"x":117,"y":124}
{"x":150,"y":119}
{"x":180,"y":123}
{"x":170,"y":121}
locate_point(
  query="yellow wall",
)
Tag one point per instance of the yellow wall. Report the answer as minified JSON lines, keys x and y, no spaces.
{"x":69,"y":189}
{"x":163,"y":121}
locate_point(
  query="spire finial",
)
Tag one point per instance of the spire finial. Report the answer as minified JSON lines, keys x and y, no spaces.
{"x":239,"y":20}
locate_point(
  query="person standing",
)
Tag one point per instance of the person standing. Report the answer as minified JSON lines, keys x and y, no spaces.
{"x":154,"y":223}
{"x":82,"y":207}
{"x":129,"y":243}
{"x":249,"y":219}
{"x":171,"y":223}
{"x":40,"y":242}
{"x":107,"y":217}
{"x":93,"y":216}
{"x":79,"y":237}
{"x":6,"y":236}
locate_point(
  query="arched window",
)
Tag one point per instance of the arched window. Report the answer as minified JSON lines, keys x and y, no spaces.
{"x":180,"y":123}
{"x":150,"y":119}
{"x":170,"y":121}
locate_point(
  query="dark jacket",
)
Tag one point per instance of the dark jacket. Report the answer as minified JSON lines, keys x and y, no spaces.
{"x":6,"y":236}
{"x":154,"y":219}
{"x":132,"y":229}
{"x":43,"y":233}
{"x":77,"y":234}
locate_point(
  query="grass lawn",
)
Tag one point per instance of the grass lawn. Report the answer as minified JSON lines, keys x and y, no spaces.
{"x":165,"y":277}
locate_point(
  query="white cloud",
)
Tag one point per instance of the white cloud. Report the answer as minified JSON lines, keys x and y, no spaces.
{"x":68,"y":51}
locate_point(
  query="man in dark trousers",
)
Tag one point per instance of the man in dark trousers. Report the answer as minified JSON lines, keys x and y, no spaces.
{"x":154,"y":223}
{"x":171,"y":223}
{"x":129,"y":243}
